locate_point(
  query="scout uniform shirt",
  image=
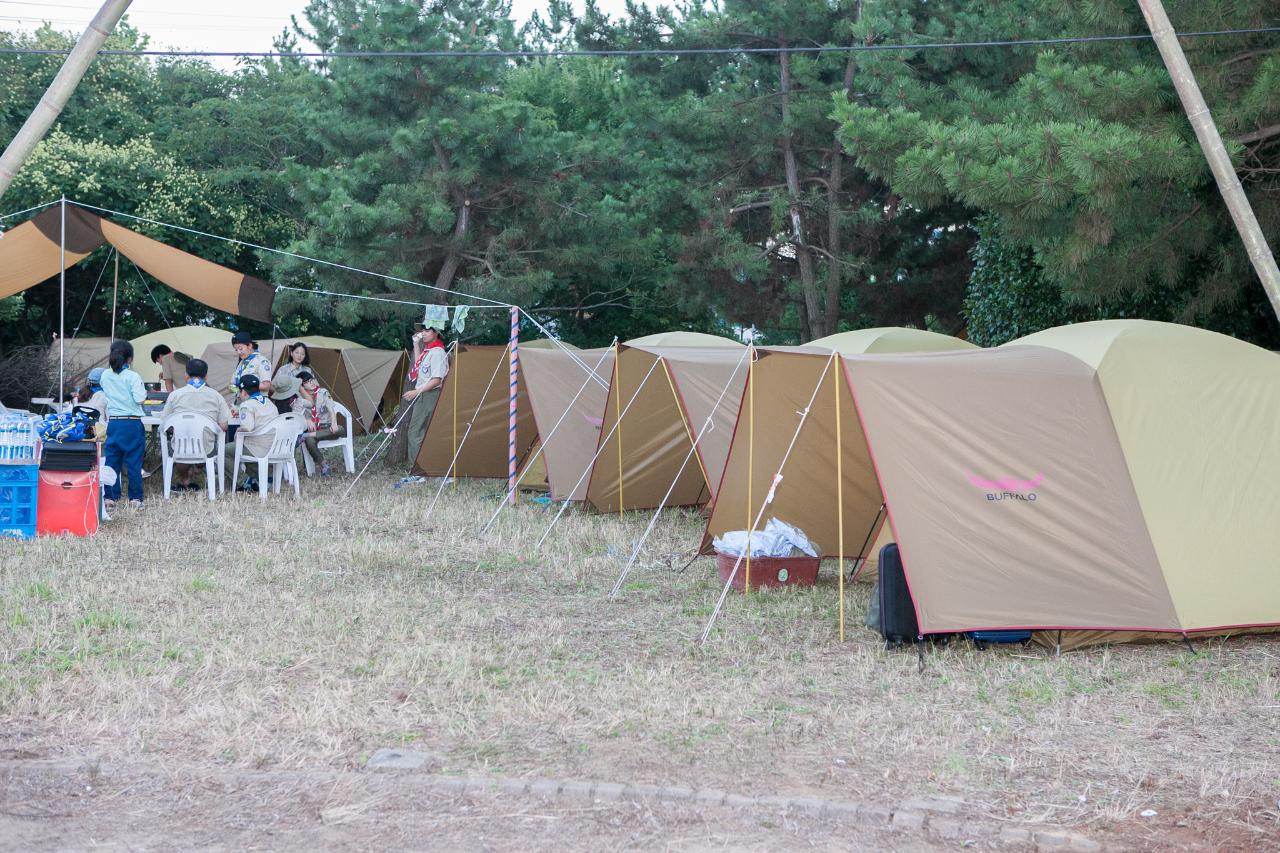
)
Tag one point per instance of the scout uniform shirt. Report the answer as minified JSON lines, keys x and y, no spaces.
{"x":174,"y":370}
{"x":199,"y":398}
{"x":255,"y":365}
{"x":434,"y":365}
{"x":256,"y":415}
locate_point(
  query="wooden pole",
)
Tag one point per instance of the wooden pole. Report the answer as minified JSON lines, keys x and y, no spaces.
{"x":62,"y":301}
{"x":839,"y":493}
{"x":115,"y":295}
{"x":1184,"y":81}
{"x":55,"y":97}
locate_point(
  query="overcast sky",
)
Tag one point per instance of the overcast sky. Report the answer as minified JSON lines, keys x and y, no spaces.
{"x":247,"y":25}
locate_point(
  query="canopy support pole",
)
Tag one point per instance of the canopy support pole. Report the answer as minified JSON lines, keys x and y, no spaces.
{"x":513,"y":419}
{"x":617,"y":408}
{"x":115,"y":296}
{"x":62,"y":301}
{"x":751,"y":460}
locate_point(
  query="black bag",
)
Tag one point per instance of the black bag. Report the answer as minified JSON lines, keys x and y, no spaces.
{"x":69,"y":456}
{"x":897,"y":611}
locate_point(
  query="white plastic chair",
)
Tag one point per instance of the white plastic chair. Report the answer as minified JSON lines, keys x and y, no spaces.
{"x":280,"y":458}
{"x":346,"y":441}
{"x":186,"y":446}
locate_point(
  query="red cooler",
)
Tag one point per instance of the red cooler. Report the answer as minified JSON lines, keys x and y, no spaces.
{"x":67,"y":503}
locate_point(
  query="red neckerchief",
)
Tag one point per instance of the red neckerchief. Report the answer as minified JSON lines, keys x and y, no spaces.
{"x":315,"y":412}
{"x":413,"y":374}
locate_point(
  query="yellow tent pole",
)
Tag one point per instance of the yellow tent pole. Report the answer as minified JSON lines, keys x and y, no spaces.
{"x":453,"y":380}
{"x":617,"y":408}
{"x":839,"y":491}
{"x":751,"y":457}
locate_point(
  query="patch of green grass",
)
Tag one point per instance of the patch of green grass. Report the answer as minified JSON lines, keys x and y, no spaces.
{"x":202,"y":583}
{"x":97,"y":620}
{"x":40,"y":591}
{"x":18,"y":619}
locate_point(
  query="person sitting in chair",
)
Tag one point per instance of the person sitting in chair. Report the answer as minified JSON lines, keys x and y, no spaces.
{"x":313,"y":404}
{"x":256,"y":414}
{"x":197,"y":397}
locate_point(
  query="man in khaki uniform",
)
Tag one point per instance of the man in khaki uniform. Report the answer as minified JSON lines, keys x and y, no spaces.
{"x":172,"y":373}
{"x":430,"y":367}
{"x":197,"y":397}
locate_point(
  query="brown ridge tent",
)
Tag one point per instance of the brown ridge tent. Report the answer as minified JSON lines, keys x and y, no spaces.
{"x":664,"y":396}
{"x":366,"y":381}
{"x":29,"y":254}
{"x":561,"y":396}
{"x":1083,"y":479}
{"x":785,"y":380}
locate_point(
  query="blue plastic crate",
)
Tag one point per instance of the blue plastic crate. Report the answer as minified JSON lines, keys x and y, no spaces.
{"x":18,"y":500}
{"x":23,"y":531}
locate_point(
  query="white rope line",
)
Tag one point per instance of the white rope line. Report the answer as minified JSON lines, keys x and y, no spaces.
{"x":542,"y":444}
{"x":706,"y":426}
{"x":359,"y":296}
{"x":768,"y":499}
{"x":564,"y":505}
{"x":457,"y":453}
{"x":29,"y":209}
{"x":546,"y":333}
{"x":294,"y":255}
{"x":93,"y":293}
{"x":154,"y":301}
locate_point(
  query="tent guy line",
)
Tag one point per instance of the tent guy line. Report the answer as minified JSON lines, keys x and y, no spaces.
{"x":768,"y":498}
{"x":618,"y":422}
{"x":659,"y":51}
{"x":707,"y":426}
{"x":4,"y":216}
{"x":544,"y":441}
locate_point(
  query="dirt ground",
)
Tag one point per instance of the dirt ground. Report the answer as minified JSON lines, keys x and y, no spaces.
{"x":301,"y":636}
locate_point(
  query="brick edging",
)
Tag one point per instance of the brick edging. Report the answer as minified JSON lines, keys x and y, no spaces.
{"x":943,"y":827}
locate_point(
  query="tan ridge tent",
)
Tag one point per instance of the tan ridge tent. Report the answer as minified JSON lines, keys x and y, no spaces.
{"x":191,"y":340}
{"x":29,"y":254}
{"x":222,"y":361}
{"x":1110,"y":480}
{"x":786,"y":379}
{"x":560,"y":402}
{"x":664,"y":396}
{"x":80,"y":355}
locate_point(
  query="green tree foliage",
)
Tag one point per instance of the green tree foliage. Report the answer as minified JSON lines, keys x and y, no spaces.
{"x":1082,"y":153}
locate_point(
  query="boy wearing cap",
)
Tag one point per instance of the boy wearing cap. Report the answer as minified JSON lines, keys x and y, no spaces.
{"x":197,"y":397}
{"x":430,"y":367}
{"x":252,"y":363}
{"x":256,"y":415}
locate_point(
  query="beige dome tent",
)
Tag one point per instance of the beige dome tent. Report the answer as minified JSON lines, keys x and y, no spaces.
{"x":1108,"y":480}
{"x":683,"y":339}
{"x":560,"y":400}
{"x":786,"y":379}
{"x":80,"y":355}
{"x":191,"y":340}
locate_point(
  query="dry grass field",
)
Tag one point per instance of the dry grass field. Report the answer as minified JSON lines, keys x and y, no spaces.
{"x":297,"y":637}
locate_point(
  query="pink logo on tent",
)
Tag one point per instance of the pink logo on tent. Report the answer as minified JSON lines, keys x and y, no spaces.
{"x":1006,"y":484}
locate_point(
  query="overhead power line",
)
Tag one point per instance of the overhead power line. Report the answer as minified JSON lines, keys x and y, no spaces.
{"x":657,"y":51}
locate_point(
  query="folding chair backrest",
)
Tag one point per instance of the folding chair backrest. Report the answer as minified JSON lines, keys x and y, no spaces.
{"x":189,"y":430}
{"x":287,"y":429}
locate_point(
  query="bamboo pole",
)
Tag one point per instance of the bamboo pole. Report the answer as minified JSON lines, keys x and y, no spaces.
{"x":1184,"y":81}
{"x":55,"y":97}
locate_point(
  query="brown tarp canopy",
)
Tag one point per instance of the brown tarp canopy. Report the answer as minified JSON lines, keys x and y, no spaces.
{"x":29,"y":254}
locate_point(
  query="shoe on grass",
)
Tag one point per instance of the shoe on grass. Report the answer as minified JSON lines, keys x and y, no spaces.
{"x":325,"y":470}
{"x":135,"y":504}
{"x":109,"y":504}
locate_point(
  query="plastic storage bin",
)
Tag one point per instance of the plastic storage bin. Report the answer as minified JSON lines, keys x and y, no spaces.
{"x":18,"y":501}
{"x":68,"y":502}
{"x":769,"y":571}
